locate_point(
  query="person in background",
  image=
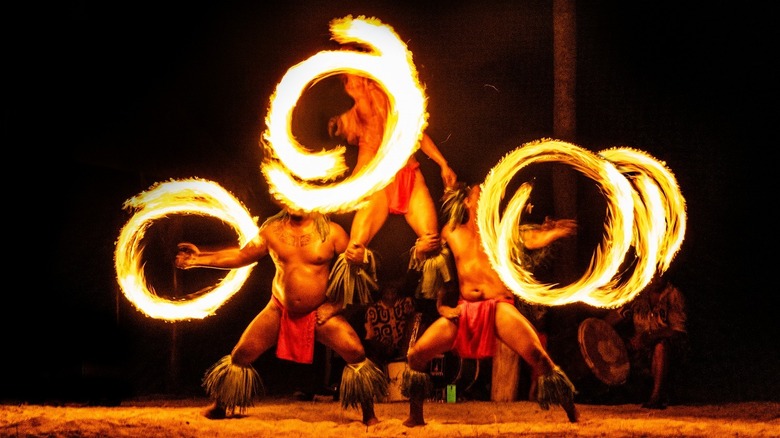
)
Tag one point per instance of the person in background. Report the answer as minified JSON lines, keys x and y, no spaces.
{"x":386,"y":323}
{"x":653,"y":326}
{"x":302,"y":247}
{"x":485,"y":310}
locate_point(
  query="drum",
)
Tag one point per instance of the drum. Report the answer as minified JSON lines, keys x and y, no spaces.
{"x":603,"y":351}
{"x":395,"y":374}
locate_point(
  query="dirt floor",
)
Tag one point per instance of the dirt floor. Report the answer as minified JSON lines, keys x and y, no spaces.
{"x":285,"y":417}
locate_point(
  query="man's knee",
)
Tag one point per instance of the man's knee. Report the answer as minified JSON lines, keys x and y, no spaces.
{"x":243,"y":356}
{"x":353,"y":353}
{"x":415,"y":359}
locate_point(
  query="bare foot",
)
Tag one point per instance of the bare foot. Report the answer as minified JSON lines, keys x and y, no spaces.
{"x":215,"y":412}
{"x":571,"y":411}
{"x":369,"y":417}
{"x":411,"y":422}
{"x":416,"y":417}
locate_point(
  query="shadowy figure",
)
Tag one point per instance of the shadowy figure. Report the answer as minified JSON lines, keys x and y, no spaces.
{"x":653,"y":326}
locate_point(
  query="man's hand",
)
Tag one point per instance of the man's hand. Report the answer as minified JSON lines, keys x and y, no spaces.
{"x":548,"y":232}
{"x":566,"y":227}
{"x":334,"y":128}
{"x":560,"y":227}
{"x":448,"y":177}
{"x":427,"y":244}
{"x":326,"y":311}
{"x":355,"y":253}
{"x":186,"y":256}
{"x":449,"y":312}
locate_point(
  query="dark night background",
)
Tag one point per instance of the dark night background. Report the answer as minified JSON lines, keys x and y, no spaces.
{"x":107,"y":98}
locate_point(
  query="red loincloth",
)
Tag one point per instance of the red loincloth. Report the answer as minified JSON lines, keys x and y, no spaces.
{"x":476,"y":338}
{"x":296,"y":335}
{"x":400,"y":190}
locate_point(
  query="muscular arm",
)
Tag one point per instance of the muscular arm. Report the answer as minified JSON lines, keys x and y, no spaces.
{"x":190,"y":256}
{"x":430,"y":149}
{"x":548,"y":233}
{"x":340,"y":238}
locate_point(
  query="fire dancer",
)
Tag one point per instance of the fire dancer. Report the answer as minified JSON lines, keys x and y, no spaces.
{"x":656,"y":336}
{"x":485,"y":310}
{"x":303,"y":247}
{"x":363,"y":126}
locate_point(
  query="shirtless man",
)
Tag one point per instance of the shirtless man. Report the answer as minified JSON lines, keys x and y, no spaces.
{"x":302,"y":247}
{"x":485,"y":310}
{"x":363,"y":126}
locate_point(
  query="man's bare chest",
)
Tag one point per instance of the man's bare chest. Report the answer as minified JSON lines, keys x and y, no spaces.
{"x":302,"y":246}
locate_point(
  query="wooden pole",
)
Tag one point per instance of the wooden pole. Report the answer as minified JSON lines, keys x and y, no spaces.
{"x":505,"y":374}
{"x":565,"y":127}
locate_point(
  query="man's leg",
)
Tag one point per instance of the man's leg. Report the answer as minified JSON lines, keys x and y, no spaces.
{"x":436,"y":340}
{"x":368,"y":220}
{"x":362,"y":382}
{"x":422,"y":218}
{"x":232,"y":382}
{"x":553,"y":386}
{"x":659,"y":369}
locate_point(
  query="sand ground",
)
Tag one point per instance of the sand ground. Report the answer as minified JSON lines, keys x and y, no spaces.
{"x":286,"y":417}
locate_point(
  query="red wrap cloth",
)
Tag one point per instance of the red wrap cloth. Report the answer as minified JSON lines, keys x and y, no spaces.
{"x":296,"y":335}
{"x":476,"y":338}
{"x":400,"y":190}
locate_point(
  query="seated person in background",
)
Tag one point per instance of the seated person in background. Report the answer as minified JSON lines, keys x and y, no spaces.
{"x":386,"y":323}
{"x":654,"y":328}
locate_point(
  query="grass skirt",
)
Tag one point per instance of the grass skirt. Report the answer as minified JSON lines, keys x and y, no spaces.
{"x":362,"y":383}
{"x":412,"y":382}
{"x":232,"y":386}
{"x":554,"y":388}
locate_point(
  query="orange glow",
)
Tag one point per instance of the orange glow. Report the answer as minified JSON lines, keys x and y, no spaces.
{"x":189,"y":196}
{"x":648,"y":216}
{"x":302,"y":179}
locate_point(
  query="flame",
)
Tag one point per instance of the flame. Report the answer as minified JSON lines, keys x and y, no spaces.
{"x":298,"y":177}
{"x":671,"y":207}
{"x":189,"y":196}
{"x":648,"y":216}
{"x":645,"y":209}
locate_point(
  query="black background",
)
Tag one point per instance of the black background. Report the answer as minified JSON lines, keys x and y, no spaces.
{"x":107,"y":98}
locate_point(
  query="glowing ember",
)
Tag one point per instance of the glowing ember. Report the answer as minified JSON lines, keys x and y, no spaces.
{"x":189,"y":196}
{"x":648,"y":216}
{"x":302,"y":179}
